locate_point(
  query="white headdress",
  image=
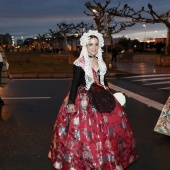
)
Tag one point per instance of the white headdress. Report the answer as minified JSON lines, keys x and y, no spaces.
{"x":83,"y":60}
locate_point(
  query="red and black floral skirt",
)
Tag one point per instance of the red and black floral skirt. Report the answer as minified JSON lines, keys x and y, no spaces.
{"x":90,"y":140}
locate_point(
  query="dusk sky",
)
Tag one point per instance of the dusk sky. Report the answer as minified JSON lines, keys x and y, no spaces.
{"x":28,"y":18}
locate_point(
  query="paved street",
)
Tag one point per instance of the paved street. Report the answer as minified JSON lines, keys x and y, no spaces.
{"x":27,"y":120}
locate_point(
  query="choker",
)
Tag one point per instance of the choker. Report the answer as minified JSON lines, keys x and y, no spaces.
{"x":93,"y":57}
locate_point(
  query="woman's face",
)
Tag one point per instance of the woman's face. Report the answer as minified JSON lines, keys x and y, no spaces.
{"x":92,"y":46}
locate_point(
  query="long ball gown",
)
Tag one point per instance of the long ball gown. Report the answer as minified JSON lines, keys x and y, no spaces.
{"x":90,"y":140}
{"x":163,"y":123}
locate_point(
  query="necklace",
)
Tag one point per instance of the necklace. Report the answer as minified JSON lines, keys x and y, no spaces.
{"x":93,"y":57}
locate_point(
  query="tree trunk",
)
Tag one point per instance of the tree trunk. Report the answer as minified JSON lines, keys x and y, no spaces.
{"x":65,"y":41}
{"x":111,"y":39}
{"x":167,"y":50}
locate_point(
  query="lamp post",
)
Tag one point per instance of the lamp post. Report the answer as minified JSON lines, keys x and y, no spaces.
{"x":22,"y":42}
{"x":156,"y":33}
{"x":106,"y":36}
{"x":76,"y":34}
{"x":97,"y":25}
{"x":145,"y":37}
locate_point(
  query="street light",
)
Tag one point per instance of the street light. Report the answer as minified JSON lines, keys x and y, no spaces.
{"x":76,"y":34}
{"x":22,"y":42}
{"x":156,"y":36}
{"x":145,"y":37}
{"x":106,"y":36}
{"x":156,"y":33}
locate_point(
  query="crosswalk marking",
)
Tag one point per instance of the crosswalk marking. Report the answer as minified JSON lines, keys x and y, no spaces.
{"x":163,"y":82}
{"x":150,"y":75}
{"x":154,"y":80}
{"x":151,"y":79}
{"x":165,"y":88}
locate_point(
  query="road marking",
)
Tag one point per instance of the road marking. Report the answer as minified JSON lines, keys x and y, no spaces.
{"x":158,"y":80}
{"x":54,"y":79}
{"x":165,"y":88}
{"x":151,"y":79}
{"x":162,"y":82}
{"x":24,"y":98}
{"x":147,"y":101}
{"x":153,"y":75}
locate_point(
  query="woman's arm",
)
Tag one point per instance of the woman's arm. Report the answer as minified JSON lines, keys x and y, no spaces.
{"x":106,"y":84}
{"x":77,"y":75}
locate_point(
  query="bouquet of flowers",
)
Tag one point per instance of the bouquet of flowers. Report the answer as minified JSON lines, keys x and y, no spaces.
{"x":120,"y":97}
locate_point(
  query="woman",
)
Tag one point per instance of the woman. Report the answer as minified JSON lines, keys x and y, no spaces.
{"x":89,"y":133}
{"x":4,"y":77}
{"x":163,"y":123}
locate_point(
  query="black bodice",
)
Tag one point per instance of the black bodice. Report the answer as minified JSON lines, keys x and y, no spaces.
{"x":78,"y":80}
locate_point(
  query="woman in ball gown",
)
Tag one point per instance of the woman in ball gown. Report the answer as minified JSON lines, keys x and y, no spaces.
{"x":163,"y":123}
{"x":91,"y":131}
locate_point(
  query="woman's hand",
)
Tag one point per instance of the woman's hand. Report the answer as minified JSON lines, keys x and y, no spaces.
{"x":71,"y":108}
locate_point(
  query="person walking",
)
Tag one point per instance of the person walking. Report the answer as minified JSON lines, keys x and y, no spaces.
{"x":163,"y":123}
{"x":1,"y":65}
{"x":92,"y":130}
{"x":114,"y":55}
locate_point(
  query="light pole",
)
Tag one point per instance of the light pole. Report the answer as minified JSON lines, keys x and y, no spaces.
{"x":105,"y":30}
{"x":145,"y":37}
{"x":106,"y":35}
{"x":76,"y":34}
{"x":22,"y":42}
{"x":156,"y":33}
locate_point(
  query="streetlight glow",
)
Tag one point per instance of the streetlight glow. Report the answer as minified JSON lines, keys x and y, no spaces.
{"x":76,"y":34}
{"x":156,"y":33}
{"x":94,"y":10}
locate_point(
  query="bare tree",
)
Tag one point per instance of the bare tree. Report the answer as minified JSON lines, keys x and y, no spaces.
{"x":105,"y":21}
{"x":64,"y":30}
{"x":68,"y":30}
{"x":97,"y":11}
{"x":83,"y":27}
{"x":145,"y":16}
{"x":104,"y":17}
{"x":52,"y":33}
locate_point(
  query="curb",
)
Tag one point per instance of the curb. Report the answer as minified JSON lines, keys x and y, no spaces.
{"x":55,"y":75}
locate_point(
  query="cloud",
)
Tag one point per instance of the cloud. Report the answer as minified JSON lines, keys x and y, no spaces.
{"x":33,"y":17}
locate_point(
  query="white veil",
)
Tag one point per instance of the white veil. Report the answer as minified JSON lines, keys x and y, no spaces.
{"x":83,"y":60}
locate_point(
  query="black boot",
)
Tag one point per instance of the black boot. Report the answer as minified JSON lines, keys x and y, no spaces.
{"x":2,"y":102}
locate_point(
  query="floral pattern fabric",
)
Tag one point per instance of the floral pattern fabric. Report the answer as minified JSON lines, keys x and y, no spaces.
{"x":90,"y":140}
{"x":163,"y":124}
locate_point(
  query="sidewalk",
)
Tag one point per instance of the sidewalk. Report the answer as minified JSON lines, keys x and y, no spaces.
{"x":131,"y":68}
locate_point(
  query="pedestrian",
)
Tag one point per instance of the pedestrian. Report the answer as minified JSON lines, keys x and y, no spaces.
{"x":5,"y":77}
{"x":163,"y":123}
{"x":114,"y":55}
{"x":1,"y":65}
{"x":91,"y":130}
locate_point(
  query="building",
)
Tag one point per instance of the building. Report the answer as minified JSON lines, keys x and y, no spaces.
{"x":20,"y":42}
{"x":6,"y":41}
{"x":160,"y":40}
